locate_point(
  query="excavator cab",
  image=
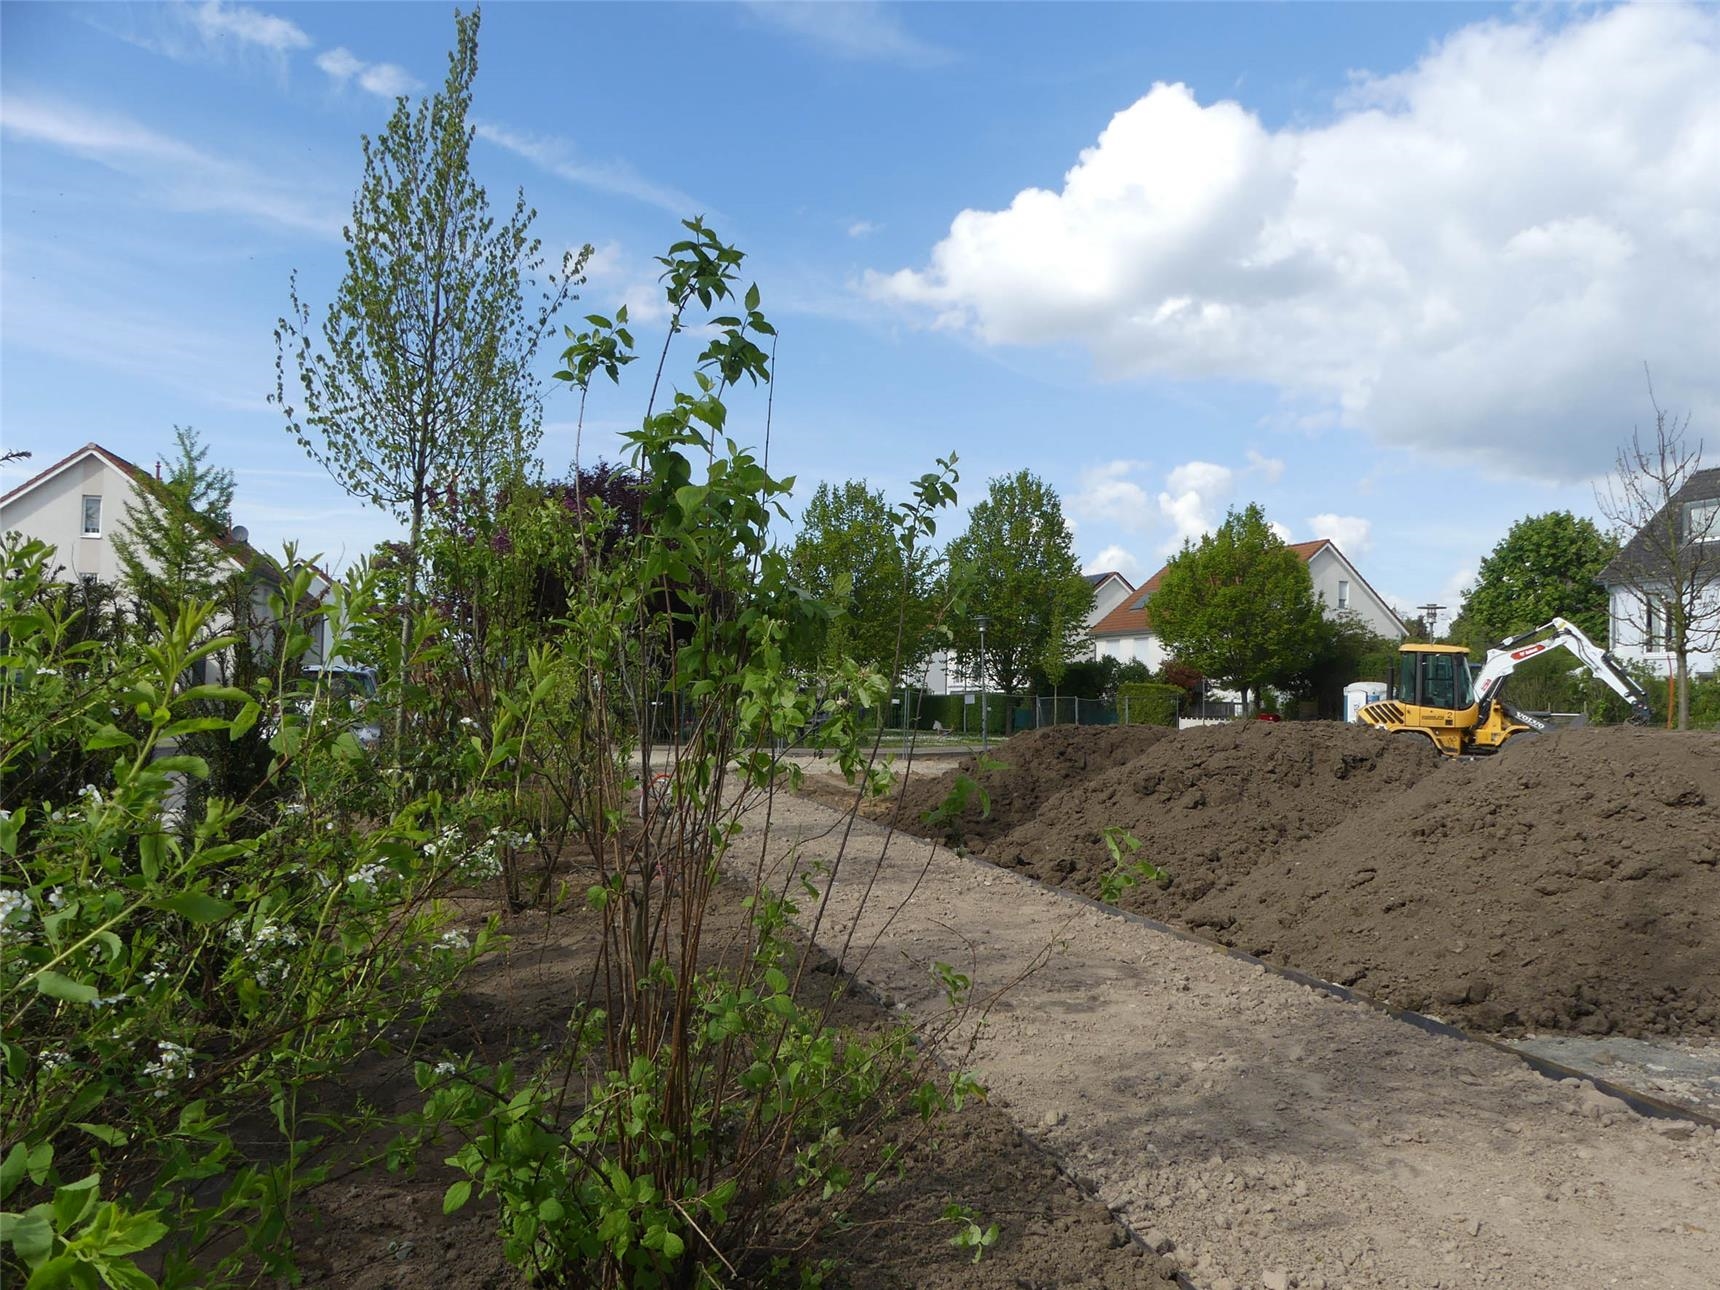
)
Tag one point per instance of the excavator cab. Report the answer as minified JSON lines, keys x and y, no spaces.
{"x":1433,"y":676}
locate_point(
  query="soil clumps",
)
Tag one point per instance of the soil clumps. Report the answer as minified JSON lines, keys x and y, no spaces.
{"x":1565,"y":884}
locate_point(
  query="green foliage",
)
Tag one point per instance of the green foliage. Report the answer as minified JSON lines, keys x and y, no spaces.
{"x":849,"y":554}
{"x":1148,"y":703}
{"x":169,"y":542}
{"x":1345,"y":649}
{"x":969,"y":1234}
{"x":1016,"y":566}
{"x":170,"y":974}
{"x":1125,"y":871}
{"x":1239,"y":606}
{"x":1546,"y":566}
{"x":422,"y":380}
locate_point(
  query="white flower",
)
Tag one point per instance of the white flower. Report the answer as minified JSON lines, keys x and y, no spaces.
{"x":90,"y":790}
{"x":467,"y":721}
{"x":47,"y":671}
{"x":107,"y":1000}
{"x":53,"y":1059}
{"x":57,"y":897}
{"x":16,"y":909}
{"x":293,"y":808}
{"x":367,"y":876}
{"x":5,"y":815}
{"x":172,"y":1062}
{"x":445,"y":1068}
{"x":454,"y":939}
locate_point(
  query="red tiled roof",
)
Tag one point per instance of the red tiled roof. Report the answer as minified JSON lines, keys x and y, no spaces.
{"x":1130,"y":617}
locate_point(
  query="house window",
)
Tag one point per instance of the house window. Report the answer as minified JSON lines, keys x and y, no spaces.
{"x":92,"y":516}
{"x":1702,"y":520}
{"x":1343,"y":593}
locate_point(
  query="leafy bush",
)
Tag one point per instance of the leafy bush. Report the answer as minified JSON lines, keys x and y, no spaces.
{"x":1148,"y":703}
{"x":167,"y":975}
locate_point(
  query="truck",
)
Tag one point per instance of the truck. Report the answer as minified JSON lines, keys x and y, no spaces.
{"x":1434,"y":695}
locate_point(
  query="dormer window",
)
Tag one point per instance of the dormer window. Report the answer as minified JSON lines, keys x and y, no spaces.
{"x":92,"y":515}
{"x":1702,"y":520}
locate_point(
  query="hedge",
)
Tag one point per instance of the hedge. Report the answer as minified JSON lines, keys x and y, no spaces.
{"x":1148,"y":703}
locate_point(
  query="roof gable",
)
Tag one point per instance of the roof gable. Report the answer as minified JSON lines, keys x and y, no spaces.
{"x":1636,"y":558}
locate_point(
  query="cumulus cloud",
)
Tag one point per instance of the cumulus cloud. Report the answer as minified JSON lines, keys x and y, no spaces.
{"x":862,"y":228}
{"x":1119,"y":559}
{"x":385,"y":80}
{"x":1353,"y":534}
{"x":1193,"y":500}
{"x":1472,"y":256}
{"x":1282,"y":531}
{"x":857,"y":30}
{"x":1110,"y":493}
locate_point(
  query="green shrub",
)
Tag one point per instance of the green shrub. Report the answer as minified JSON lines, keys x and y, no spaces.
{"x":1148,"y":703}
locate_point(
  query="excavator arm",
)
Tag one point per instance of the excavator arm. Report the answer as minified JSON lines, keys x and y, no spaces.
{"x":1510,"y":654}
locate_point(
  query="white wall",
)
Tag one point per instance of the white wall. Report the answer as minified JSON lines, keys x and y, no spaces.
{"x":1626,"y":629}
{"x":1327,"y":570}
{"x":53,"y":512}
{"x":1127,"y":649}
{"x":1106,"y":597}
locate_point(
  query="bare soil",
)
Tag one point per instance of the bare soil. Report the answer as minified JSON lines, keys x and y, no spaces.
{"x":1262,"y":1133}
{"x":373,"y":1230}
{"x":1565,"y":885}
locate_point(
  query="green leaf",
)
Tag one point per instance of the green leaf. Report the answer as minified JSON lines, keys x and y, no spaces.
{"x":103,"y":1132}
{"x":551,"y":1210}
{"x":457,"y":1195}
{"x":133,"y":1232}
{"x":109,"y":736}
{"x":195,"y":767}
{"x":56,"y":986}
{"x":244,"y":721}
{"x":673,"y":1245}
{"x":198,"y":906}
{"x":223,"y":693}
{"x":31,"y":1235}
{"x":12,"y":1169}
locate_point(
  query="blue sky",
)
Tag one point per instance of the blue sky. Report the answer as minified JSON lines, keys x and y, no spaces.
{"x":1392,"y":271}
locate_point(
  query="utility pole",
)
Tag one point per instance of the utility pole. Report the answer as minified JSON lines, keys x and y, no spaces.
{"x":982,"y":622}
{"x":1430,"y":614}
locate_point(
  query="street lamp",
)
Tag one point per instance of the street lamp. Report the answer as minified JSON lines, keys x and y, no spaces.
{"x":982,"y":622}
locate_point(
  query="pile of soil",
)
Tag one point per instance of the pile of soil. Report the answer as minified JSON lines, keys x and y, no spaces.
{"x":1567,"y":884}
{"x":1029,"y":770}
{"x":1211,"y":803}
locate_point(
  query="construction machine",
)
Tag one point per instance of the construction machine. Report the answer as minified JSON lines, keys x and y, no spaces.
{"x":1434,"y":695}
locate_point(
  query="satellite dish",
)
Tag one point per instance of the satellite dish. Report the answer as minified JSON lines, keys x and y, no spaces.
{"x":241,"y":533}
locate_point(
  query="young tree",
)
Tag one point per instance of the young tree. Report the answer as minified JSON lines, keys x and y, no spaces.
{"x":1665,"y":510}
{"x":1546,"y":565}
{"x":422,"y":380}
{"x":849,"y":554}
{"x":1016,"y":566}
{"x":1239,"y":606}
{"x":170,"y":539}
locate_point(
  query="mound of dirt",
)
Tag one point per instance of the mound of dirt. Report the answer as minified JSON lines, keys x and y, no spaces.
{"x":1210,"y":804}
{"x":1035,"y":767}
{"x":1569,"y":884}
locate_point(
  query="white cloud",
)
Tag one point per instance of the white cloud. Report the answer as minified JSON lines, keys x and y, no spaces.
{"x":171,"y":171}
{"x":862,"y":228}
{"x":1353,"y":534}
{"x":859,"y":30}
{"x":216,"y":23}
{"x":555,"y":156}
{"x":385,"y":80}
{"x":1193,"y":500}
{"x":1270,"y":468}
{"x":1473,"y":256}
{"x":1116,"y":558}
{"x":613,"y":277}
{"x":1109,"y":494}
{"x":1281,"y":531}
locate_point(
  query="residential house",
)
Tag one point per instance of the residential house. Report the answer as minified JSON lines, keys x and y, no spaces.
{"x":78,"y":503}
{"x":944,"y":674}
{"x":1126,"y":633}
{"x":1637,"y":590}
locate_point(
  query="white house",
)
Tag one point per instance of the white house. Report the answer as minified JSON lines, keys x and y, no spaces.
{"x":945,"y":675}
{"x":1126,"y":633}
{"x":77,"y":504}
{"x":1636,"y":598}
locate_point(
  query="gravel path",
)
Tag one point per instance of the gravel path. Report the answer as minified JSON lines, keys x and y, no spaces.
{"x":1267,"y":1134}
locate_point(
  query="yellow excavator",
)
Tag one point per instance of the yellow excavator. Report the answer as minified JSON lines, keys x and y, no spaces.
{"x":1433,"y":694}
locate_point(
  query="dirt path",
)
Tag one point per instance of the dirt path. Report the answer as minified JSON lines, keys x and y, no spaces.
{"x":1277,"y":1136}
